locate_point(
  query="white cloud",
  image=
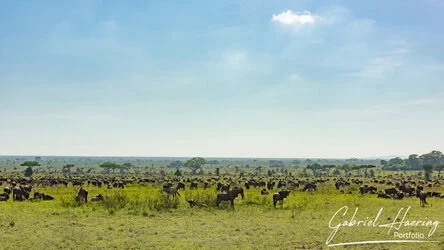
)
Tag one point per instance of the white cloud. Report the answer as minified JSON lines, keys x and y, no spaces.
{"x":294,"y":19}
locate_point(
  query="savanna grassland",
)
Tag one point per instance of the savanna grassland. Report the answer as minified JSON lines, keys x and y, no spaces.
{"x":142,"y":216}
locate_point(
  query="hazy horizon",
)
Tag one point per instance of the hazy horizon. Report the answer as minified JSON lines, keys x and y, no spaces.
{"x":250,"y":79}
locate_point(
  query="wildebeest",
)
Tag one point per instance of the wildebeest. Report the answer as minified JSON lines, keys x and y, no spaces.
{"x":230,"y":196}
{"x":264,"y":192}
{"x":180,"y":185}
{"x":19,"y":194}
{"x":280,"y":196}
{"x":391,"y":191}
{"x":7,"y":190}
{"x":194,"y":203}
{"x":170,"y":191}
{"x":193,"y":185}
{"x":42,"y":196}
{"x":4,"y":197}
{"x":367,"y":189}
{"x":309,"y":186}
{"x":422,"y":198}
{"x":82,"y":195}
{"x":98,"y":197}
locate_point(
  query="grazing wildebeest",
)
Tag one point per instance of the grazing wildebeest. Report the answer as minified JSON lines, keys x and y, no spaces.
{"x":422,"y":198}
{"x":407,"y":189}
{"x":280,"y":196}
{"x":170,"y":191}
{"x":180,"y":185}
{"x":19,"y":194}
{"x":367,"y":189}
{"x":193,"y":203}
{"x":4,"y":197}
{"x":264,"y":192}
{"x":193,"y":185}
{"x":383,"y":195}
{"x":42,"y":196}
{"x":222,"y":187}
{"x":309,"y":186}
{"x":7,"y":190}
{"x":206,"y":184}
{"x":98,"y":197}
{"x":391,"y":191}
{"x":82,"y":195}
{"x":230,"y":196}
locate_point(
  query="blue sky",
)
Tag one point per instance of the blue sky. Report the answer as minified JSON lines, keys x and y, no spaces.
{"x":221,"y":78}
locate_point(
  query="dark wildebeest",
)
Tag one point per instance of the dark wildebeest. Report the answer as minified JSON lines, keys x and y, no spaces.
{"x":193,"y":185}
{"x":230,"y":196}
{"x":309,"y":186}
{"x":391,"y":191}
{"x":82,"y":195}
{"x":193,"y":203}
{"x":367,"y":189}
{"x":170,"y":191}
{"x":280,"y":196}
{"x":98,"y":197}
{"x":422,"y":198}
{"x":19,"y":194}
{"x":264,"y":192}
{"x":42,"y":196}
{"x":7,"y":190}
{"x":180,"y":185}
{"x":4,"y":197}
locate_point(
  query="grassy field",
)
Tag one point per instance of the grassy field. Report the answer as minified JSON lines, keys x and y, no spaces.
{"x":139,"y":217}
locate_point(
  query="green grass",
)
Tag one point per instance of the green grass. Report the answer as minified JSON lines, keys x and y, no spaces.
{"x":140,"y":217}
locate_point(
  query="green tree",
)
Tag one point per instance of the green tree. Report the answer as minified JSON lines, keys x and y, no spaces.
{"x":217,"y":171}
{"x":314,"y":168}
{"x":366,"y":167}
{"x":67,"y":168}
{"x":346,"y":168}
{"x":30,"y":164}
{"x":433,"y":158}
{"x":110,"y":166}
{"x":413,"y":162}
{"x":439,"y":168}
{"x":195,"y":164}
{"x":175,"y":164}
{"x":428,"y":169}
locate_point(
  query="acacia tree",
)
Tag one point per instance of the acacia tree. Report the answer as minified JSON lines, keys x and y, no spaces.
{"x":29,"y":164}
{"x":110,"y":166}
{"x":428,"y":169}
{"x":433,"y":158}
{"x":365,"y":167}
{"x":195,"y":164}
{"x":314,"y":168}
{"x":439,"y":168}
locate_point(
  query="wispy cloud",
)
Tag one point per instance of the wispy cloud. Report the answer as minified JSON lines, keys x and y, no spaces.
{"x":236,"y":58}
{"x":294,"y":18}
{"x":109,"y":25}
{"x":377,"y":68}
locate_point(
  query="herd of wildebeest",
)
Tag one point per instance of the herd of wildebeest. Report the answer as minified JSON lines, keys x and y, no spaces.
{"x":229,"y":188}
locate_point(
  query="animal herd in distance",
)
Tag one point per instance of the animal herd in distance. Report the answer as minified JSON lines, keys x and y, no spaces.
{"x":20,"y":188}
